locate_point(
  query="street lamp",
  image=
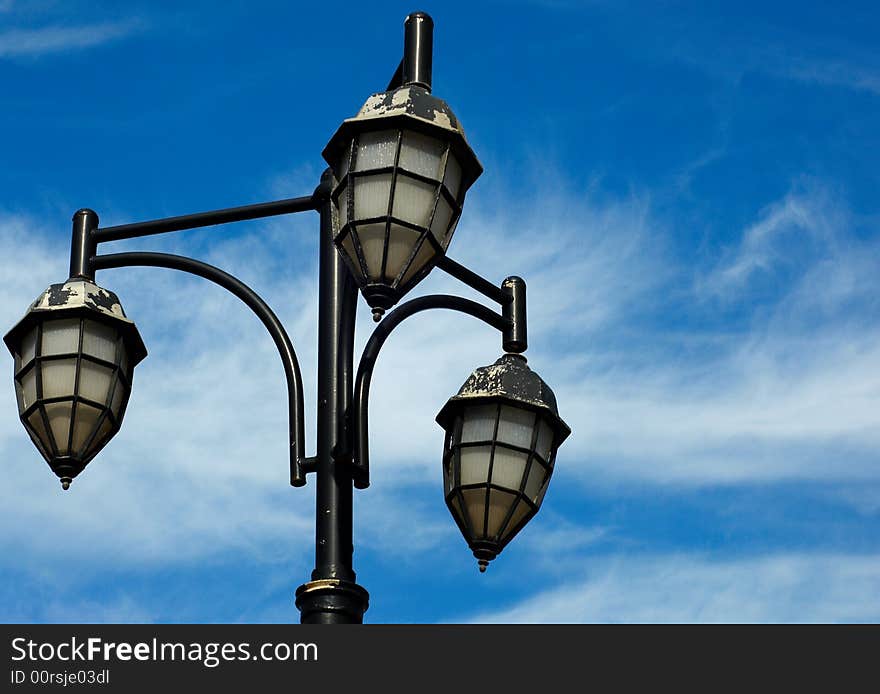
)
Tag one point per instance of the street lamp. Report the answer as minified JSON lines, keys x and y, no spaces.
{"x":388,"y":206}
{"x":75,"y":353}
{"x":402,"y":167}
{"x":502,"y":433}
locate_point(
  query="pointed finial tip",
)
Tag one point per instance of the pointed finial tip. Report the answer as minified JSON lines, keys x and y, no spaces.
{"x":65,"y":483}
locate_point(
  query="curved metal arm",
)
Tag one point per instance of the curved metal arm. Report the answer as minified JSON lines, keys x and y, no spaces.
{"x":359,"y":415}
{"x":511,"y":295}
{"x":298,"y":461}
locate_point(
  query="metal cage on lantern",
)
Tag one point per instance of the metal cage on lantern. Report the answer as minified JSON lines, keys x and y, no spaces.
{"x":502,"y":433}
{"x":74,"y":354}
{"x":402,"y":167}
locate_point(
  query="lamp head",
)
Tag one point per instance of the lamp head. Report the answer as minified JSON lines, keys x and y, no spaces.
{"x":401,"y":167}
{"x":75,"y":352}
{"x":502,"y":432}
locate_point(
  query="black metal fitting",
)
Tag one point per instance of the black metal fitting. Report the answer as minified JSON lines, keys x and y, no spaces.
{"x":332,"y":601}
{"x":321,"y":196}
{"x":418,"y":46}
{"x":83,"y":244}
{"x":515,"y":335}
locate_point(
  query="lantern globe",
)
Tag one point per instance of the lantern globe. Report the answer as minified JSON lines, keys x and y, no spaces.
{"x":74,"y":352}
{"x":401,"y":167}
{"x":502,"y":432}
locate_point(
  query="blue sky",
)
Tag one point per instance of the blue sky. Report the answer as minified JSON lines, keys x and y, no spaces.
{"x":689,"y":190}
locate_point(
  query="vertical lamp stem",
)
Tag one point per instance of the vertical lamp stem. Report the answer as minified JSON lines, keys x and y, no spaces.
{"x":83,"y":245}
{"x":515,"y":337}
{"x":332,"y":596}
{"x":418,"y":45}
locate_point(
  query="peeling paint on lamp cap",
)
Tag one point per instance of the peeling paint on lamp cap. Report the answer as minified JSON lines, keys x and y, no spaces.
{"x":414,"y":101}
{"x":509,"y":378}
{"x":78,"y":296}
{"x":80,"y":293}
{"x":410,"y":107}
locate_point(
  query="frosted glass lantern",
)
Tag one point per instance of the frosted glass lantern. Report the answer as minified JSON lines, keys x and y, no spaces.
{"x":74,"y":354}
{"x":402,"y":167}
{"x":502,"y":433}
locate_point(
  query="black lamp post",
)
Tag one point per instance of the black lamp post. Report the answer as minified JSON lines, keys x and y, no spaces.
{"x":388,"y":206}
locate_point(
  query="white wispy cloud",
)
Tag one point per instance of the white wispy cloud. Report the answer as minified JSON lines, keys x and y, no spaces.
{"x":859,"y":72}
{"x":56,"y":610}
{"x":58,"y":38}
{"x":804,"y":219}
{"x":756,"y":44}
{"x":786,"y":588}
{"x":788,"y":393}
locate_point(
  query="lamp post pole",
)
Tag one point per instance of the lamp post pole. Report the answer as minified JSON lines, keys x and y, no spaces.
{"x":332,"y":596}
{"x":387,"y":209}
